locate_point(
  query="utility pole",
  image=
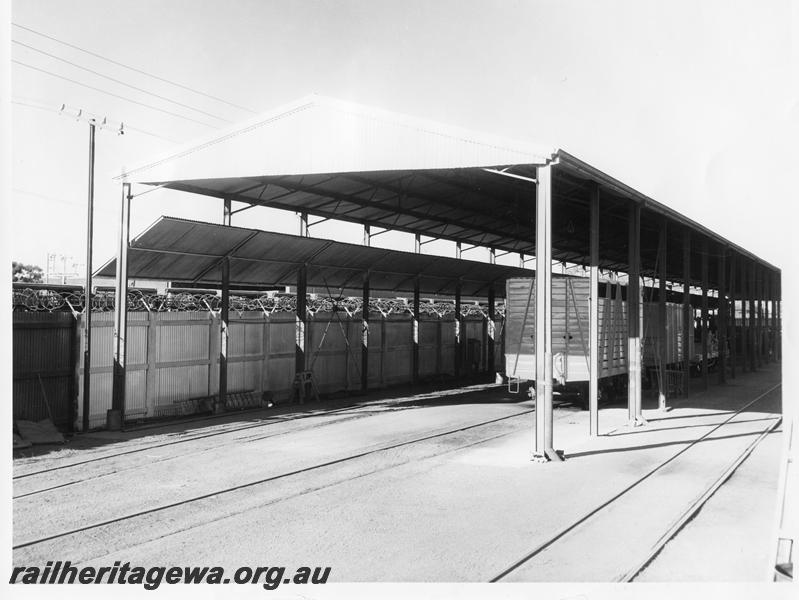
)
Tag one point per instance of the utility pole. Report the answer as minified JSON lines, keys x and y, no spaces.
{"x":87,"y":292}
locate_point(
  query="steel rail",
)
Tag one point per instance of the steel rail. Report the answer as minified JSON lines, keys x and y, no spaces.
{"x":695,"y":506}
{"x":238,"y":440}
{"x":591,"y":514}
{"x":269,"y":421}
{"x":269,"y":479}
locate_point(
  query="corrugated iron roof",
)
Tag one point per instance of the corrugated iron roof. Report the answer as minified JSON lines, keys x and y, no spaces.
{"x":348,"y":162}
{"x":317,"y":134}
{"x":180,"y":249}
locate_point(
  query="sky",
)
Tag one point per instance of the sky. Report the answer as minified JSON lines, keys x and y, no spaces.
{"x":692,"y":103}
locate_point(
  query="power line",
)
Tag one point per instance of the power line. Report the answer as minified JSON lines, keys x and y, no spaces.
{"x":138,"y":89}
{"x":150,"y":106}
{"x":58,"y":200}
{"x":128,"y":127}
{"x":135,"y":69}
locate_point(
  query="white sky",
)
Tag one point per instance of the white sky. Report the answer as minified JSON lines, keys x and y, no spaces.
{"x":692,"y":103}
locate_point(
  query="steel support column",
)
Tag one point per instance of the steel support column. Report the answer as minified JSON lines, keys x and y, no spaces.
{"x":116,"y":416}
{"x":415,"y":333}
{"x":224,"y":331}
{"x":753,"y":358}
{"x":722,"y":315}
{"x":745,"y":363}
{"x":759,"y":313}
{"x":687,"y":317}
{"x":224,"y":316}
{"x":732,"y":316}
{"x":365,"y":334}
{"x":593,"y":317}
{"x":87,"y":290}
{"x":767,"y":314}
{"x":662,"y":335}
{"x":634,"y":413}
{"x":705,"y":314}
{"x":779,"y":316}
{"x":301,"y":319}
{"x":544,"y":447}
{"x":774,"y":314}
{"x":491,"y":333}
{"x":458,"y":330}
{"x":304,"y":232}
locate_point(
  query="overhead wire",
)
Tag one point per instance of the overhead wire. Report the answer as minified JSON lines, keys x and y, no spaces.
{"x":128,"y":127}
{"x":119,"y":81}
{"x":134,"y":69}
{"x":102,"y":91}
{"x":58,"y":200}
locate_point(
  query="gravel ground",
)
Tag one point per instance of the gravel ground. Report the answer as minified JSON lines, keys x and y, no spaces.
{"x":740,"y":524}
{"x":442,"y":488}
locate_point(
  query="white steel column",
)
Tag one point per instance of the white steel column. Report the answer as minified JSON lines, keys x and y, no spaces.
{"x":662,"y":318}
{"x":224,"y":314}
{"x":687,"y":316}
{"x":732,"y":333}
{"x":705,"y":315}
{"x":544,"y":450}
{"x":593,"y":335}
{"x":634,"y":319}
{"x":722,"y":317}
{"x":115,"y":417}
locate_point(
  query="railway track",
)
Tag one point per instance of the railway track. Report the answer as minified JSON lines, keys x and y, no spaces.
{"x":263,"y":482}
{"x":362,"y":410}
{"x":562,"y":542}
{"x":149,"y":461}
{"x":137,"y":528}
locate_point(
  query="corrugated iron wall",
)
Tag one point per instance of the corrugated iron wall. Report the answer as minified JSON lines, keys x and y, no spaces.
{"x":174,"y":356}
{"x":44,"y":356}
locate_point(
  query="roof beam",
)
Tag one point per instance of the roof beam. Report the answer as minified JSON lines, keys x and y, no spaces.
{"x":442,"y":220}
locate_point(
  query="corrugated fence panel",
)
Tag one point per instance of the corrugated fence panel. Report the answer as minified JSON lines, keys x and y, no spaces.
{"x":397,"y":359}
{"x":181,"y":383}
{"x":183,"y":340}
{"x":44,"y":351}
{"x":473,"y":345}
{"x":173,"y":357}
{"x":280,"y":355}
{"x":428,"y":346}
{"x":376,"y":326}
{"x":354,"y":363}
{"x":246,"y":352}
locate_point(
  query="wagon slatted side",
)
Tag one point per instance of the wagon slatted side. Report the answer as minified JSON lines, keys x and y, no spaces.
{"x":570,"y":330}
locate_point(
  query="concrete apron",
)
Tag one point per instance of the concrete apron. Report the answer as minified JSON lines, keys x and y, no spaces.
{"x":469,"y":515}
{"x":617,"y":537}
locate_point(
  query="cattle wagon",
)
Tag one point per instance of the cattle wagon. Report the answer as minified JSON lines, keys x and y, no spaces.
{"x":571,"y":339}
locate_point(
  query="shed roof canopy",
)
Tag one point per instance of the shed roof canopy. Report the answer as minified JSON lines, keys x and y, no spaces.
{"x":344,"y":161}
{"x":180,"y":249}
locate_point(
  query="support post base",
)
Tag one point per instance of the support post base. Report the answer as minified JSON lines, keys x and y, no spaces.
{"x":113,"y":420}
{"x":637,"y":422}
{"x":549,"y":455}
